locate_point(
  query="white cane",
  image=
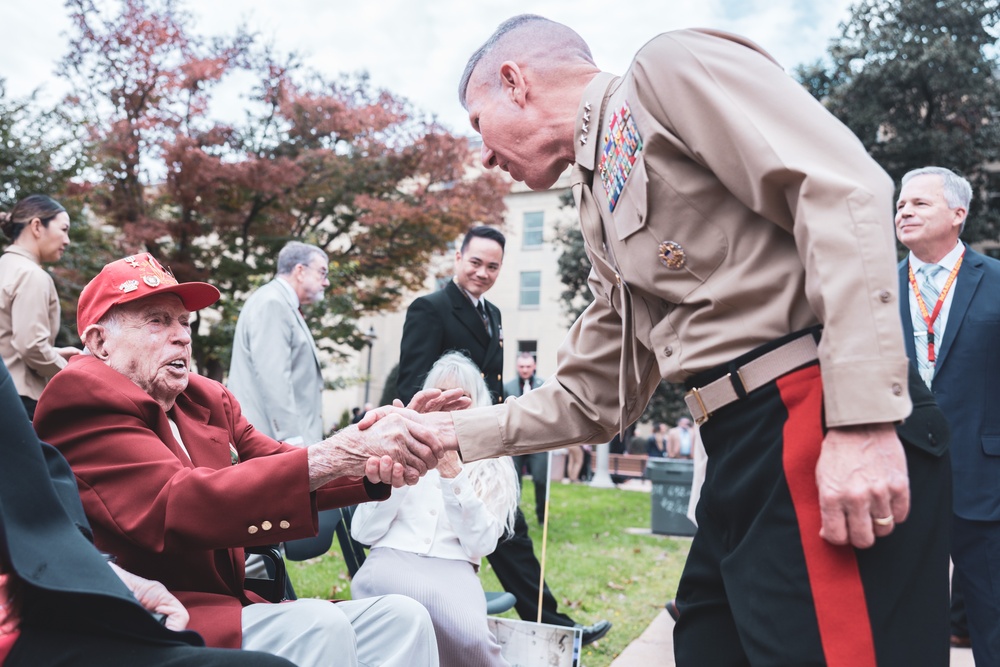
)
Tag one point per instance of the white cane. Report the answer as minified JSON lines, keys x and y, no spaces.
{"x":545,"y":535}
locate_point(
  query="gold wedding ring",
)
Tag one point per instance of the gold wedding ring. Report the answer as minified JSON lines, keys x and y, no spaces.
{"x":887,"y":521}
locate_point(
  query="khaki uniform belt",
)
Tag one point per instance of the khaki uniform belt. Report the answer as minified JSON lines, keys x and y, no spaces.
{"x":703,"y":401}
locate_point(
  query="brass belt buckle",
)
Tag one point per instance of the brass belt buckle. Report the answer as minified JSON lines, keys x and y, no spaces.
{"x":701,"y":404}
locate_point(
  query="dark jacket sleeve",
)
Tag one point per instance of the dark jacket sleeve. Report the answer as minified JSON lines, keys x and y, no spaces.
{"x":65,"y":486}
{"x":422,"y":344}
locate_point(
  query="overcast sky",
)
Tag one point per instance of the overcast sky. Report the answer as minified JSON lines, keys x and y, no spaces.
{"x":417,"y":48}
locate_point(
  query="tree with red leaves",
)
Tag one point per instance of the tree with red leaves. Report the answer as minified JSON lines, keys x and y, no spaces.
{"x":331,"y":162}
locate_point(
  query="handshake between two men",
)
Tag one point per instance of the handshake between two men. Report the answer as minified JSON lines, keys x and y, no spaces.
{"x":392,"y":445}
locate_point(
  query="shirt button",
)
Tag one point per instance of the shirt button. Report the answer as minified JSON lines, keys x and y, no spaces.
{"x":434,"y":512}
{"x":457,"y":490}
{"x":897,"y":390}
{"x":427,"y":540}
{"x":884,"y":296}
{"x":285,"y":525}
{"x":266,"y":525}
{"x":667,"y":351}
{"x":252,"y":530}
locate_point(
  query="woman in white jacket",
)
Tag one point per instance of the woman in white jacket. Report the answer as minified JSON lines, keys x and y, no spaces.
{"x":427,"y":540}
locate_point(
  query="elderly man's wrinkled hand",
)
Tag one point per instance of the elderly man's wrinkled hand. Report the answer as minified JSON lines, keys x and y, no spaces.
{"x":393,"y":450}
{"x":405,"y":441}
{"x":375,"y":414}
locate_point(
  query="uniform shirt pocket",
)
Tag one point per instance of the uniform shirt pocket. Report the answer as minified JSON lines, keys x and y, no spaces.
{"x":630,"y":211}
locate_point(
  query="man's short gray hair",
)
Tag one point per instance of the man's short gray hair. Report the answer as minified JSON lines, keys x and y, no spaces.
{"x":295,"y":253}
{"x":957,"y":190}
{"x":559,"y":39}
{"x":113,"y":320}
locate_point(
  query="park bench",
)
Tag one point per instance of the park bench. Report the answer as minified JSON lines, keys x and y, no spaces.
{"x":624,"y":465}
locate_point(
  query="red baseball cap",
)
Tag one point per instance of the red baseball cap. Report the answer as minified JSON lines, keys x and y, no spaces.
{"x":136,"y":277}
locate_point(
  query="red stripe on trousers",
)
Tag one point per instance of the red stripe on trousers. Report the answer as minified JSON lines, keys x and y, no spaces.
{"x":844,"y":628}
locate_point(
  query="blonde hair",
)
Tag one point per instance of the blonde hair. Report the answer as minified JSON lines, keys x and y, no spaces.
{"x":494,"y":480}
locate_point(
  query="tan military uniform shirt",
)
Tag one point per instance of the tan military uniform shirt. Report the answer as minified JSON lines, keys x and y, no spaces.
{"x":722,"y":208}
{"x":29,"y":322}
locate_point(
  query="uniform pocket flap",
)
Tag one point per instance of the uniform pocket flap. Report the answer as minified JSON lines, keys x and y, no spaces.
{"x":991,"y":445}
{"x":630,"y":212}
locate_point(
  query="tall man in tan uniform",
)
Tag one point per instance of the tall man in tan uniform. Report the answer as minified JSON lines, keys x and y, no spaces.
{"x":740,"y":242}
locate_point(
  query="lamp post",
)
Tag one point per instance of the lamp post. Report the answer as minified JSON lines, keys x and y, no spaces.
{"x":369,"y":340}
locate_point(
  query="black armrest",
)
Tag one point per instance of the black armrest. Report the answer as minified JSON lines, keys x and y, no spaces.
{"x":272,"y":590}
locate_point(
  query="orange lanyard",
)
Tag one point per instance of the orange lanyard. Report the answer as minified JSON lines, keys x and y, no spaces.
{"x":930,"y":318}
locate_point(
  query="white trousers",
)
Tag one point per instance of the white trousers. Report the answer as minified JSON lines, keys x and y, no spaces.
{"x":385,"y":631}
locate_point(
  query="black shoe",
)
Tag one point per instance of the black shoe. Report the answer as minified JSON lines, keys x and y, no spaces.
{"x":591,"y":633}
{"x":672,"y":610}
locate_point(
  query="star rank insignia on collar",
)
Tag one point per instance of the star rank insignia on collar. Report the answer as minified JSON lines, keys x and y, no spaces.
{"x":585,"y":125}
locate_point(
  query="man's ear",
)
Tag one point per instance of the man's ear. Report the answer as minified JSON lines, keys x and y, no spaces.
{"x":95,"y":338}
{"x":513,"y":82}
{"x":960,"y":214}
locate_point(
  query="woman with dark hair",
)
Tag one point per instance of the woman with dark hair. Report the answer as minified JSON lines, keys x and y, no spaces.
{"x":38,"y":228}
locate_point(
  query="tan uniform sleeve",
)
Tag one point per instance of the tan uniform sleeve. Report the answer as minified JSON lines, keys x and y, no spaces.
{"x":32,"y":332}
{"x":578,"y":405}
{"x":787,"y":159}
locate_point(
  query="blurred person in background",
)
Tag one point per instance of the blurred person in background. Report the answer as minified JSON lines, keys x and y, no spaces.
{"x":38,"y":229}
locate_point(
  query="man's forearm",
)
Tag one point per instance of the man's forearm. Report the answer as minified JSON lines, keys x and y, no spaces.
{"x":330,"y":459}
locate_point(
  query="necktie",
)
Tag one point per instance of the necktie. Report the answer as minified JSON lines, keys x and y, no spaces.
{"x":527,"y":387}
{"x":929,"y":293}
{"x":482,"y":315}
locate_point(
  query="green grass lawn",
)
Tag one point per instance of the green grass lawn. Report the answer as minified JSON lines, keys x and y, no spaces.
{"x":595,"y":567}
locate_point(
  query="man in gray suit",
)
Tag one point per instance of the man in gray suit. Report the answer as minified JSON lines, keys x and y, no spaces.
{"x":537,"y":463}
{"x":275,"y":370}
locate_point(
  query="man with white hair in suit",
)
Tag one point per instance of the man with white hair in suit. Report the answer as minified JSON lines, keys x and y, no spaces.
{"x":275,"y":371}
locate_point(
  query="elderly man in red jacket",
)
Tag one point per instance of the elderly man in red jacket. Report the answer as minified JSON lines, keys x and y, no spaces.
{"x":176,"y":482}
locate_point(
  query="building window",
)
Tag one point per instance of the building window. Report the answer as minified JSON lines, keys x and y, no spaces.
{"x":531,"y":289}
{"x":533,"y":221}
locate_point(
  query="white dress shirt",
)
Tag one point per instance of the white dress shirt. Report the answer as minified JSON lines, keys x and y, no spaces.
{"x":437,"y":517}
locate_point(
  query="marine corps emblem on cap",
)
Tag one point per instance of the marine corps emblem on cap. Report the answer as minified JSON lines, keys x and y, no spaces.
{"x":672,"y":255}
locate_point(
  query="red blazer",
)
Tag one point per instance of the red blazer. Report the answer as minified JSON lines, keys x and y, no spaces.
{"x":183,"y":521}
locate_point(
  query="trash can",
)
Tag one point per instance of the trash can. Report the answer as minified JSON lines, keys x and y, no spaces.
{"x":671,"y":493}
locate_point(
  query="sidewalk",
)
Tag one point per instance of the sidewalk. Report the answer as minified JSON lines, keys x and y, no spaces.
{"x":655,"y":648}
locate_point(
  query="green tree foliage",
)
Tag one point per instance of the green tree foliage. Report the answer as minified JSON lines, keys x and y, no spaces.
{"x":916,"y":81}
{"x":336,"y":163}
{"x":574,"y":265}
{"x":39,"y":154}
{"x":667,"y":404}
